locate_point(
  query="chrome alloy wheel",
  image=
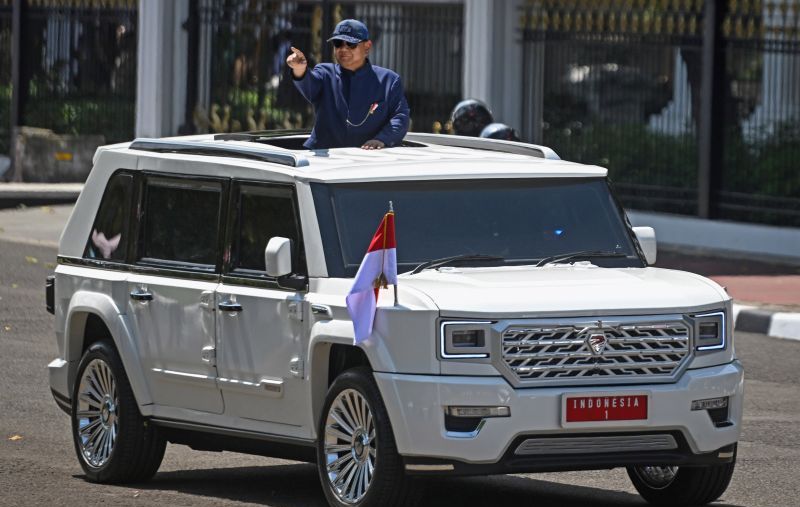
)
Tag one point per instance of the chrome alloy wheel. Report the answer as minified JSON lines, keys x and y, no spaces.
{"x":350,"y":449}
{"x":97,"y":415}
{"x":657,"y":477}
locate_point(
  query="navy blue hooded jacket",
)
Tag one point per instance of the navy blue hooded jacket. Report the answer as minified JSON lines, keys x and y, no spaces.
{"x":342,"y":101}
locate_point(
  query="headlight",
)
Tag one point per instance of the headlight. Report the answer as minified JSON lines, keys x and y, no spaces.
{"x":710,"y":331}
{"x":464,"y":340}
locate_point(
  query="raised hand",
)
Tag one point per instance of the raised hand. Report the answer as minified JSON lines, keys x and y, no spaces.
{"x":297,"y":62}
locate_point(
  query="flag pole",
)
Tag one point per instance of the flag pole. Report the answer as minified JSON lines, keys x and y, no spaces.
{"x":391,"y":210}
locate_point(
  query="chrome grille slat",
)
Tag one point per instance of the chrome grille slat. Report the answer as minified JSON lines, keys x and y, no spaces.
{"x":579,"y":367}
{"x":552,"y":353}
{"x":523,"y":343}
{"x":624,"y":353}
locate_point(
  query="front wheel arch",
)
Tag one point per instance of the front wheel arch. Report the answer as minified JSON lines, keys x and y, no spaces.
{"x":336,"y":443}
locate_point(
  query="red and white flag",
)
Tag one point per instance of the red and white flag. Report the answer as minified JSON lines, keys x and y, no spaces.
{"x":377,"y":270}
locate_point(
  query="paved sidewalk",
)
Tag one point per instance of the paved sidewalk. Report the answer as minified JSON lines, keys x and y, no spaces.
{"x":766,"y":293}
{"x":38,"y":225}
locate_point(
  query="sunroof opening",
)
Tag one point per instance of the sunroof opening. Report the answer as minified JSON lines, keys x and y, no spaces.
{"x":286,"y":139}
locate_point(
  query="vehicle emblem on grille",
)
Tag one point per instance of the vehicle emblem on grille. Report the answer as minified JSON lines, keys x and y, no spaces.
{"x":597,"y":342}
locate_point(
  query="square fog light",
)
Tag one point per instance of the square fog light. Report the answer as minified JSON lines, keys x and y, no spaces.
{"x":710,"y":403}
{"x":479,"y":411}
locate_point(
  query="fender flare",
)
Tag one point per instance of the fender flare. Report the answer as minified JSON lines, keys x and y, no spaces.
{"x":325,"y":333}
{"x":85,"y":303}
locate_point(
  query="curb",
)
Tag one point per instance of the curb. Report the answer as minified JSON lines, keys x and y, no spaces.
{"x":38,"y":194}
{"x":39,"y":191}
{"x":752,"y":319}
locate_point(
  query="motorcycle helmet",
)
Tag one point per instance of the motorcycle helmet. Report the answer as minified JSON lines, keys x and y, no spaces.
{"x":499,"y":131}
{"x":469,"y":117}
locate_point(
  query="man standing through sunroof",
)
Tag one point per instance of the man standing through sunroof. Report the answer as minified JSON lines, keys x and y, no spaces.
{"x":356,"y":103}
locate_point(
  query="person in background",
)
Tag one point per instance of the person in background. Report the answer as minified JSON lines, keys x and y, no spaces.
{"x":470,"y":117}
{"x":356,"y":103}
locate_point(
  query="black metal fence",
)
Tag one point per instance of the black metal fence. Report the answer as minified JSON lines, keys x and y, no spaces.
{"x":241,"y":82}
{"x":76,"y":67}
{"x":694,"y":106}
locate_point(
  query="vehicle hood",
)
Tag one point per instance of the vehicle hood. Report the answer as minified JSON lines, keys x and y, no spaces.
{"x":579,"y":289}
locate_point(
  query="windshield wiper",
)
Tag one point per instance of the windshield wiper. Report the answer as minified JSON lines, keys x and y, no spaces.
{"x":582,"y":253}
{"x":435,"y":263}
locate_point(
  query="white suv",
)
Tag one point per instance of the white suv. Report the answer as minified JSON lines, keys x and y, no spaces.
{"x":199,"y":299}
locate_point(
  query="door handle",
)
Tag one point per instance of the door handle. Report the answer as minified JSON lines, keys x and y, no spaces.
{"x":141,"y":295}
{"x":230,"y":306}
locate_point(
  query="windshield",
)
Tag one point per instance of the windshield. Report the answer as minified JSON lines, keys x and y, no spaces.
{"x":520,"y":220}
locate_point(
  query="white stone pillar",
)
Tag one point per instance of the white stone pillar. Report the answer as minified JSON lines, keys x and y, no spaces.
{"x":161,"y":73}
{"x":478,"y":40}
{"x":493,"y":57}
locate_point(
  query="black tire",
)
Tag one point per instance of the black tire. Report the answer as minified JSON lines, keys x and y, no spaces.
{"x":388,"y":486}
{"x":137,"y":448}
{"x":691,"y":486}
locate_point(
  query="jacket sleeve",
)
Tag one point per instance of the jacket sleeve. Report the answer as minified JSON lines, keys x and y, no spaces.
{"x":397,"y":127}
{"x":310,"y":85}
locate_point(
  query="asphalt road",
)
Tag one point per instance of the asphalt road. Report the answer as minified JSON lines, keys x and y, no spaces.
{"x":38,"y":464}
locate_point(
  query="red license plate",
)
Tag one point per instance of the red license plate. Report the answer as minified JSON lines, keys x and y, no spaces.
{"x":606,"y":408}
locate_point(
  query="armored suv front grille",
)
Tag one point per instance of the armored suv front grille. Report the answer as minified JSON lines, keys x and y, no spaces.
{"x":616,"y":353}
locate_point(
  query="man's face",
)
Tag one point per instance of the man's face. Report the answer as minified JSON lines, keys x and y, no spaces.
{"x":352,"y":58}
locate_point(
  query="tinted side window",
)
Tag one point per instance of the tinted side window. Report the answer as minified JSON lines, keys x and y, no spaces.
{"x":108,"y":239}
{"x":263,"y":213}
{"x":181,"y":221}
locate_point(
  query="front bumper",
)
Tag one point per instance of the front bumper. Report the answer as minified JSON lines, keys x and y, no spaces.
{"x":416,"y":406}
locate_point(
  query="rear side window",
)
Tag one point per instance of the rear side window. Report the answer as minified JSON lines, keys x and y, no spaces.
{"x":181,"y":221}
{"x":263,"y":213}
{"x":108,"y":239}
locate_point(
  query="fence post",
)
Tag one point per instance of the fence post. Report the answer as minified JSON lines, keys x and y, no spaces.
{"x":327,"y":28}
{"x":712,"y":102}
{"x":192,"y":27}
{"x":19,"y":86}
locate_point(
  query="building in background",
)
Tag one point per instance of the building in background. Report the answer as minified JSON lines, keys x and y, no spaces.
{"x":693,"y":105}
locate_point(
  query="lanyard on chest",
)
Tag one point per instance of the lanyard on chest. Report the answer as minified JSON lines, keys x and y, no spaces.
{"x":371,"y":110}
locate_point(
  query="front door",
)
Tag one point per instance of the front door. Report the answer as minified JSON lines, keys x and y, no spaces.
{"x":261,"y":334}
{"x":172,"y":289}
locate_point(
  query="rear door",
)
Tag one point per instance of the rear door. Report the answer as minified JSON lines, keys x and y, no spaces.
{"x":171,"y":290}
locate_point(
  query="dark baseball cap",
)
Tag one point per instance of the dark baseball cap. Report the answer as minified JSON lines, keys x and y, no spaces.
{"x":350,"y":30}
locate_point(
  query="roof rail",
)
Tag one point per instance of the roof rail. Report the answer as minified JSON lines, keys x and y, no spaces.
{"x":483,"y":143}
{"x":259,"y":152}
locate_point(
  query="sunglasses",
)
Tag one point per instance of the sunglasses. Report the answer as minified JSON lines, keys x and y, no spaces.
{"x":337,"y":43}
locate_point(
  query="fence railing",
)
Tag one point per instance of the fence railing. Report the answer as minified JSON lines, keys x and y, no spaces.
{"x":691,"y":113}
{"x":240,"y":81}
{"x":76,"y":67}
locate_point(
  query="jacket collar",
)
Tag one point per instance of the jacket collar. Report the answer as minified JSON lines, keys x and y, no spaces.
{"x":364,"y":69}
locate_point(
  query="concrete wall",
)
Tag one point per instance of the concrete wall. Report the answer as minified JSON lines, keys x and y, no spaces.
{"x":42,"y":156}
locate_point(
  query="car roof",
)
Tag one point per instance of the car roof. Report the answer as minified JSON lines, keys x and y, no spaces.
{"x":422,"y":157}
